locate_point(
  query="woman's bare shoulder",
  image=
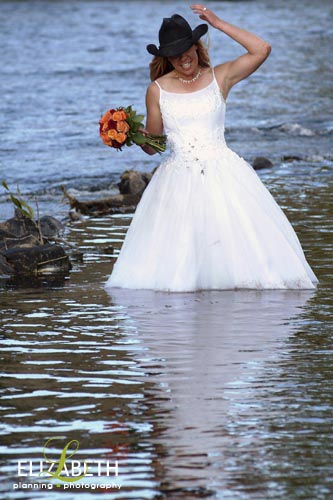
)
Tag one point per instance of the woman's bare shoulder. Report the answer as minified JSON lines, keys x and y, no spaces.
{"x":165,"y":81}
{"x":152,"y":89}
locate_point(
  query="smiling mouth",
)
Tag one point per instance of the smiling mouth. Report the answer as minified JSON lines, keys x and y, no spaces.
{"x":186,"y":65}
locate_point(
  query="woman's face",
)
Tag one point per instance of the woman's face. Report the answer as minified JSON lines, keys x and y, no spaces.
{"x":187,"y":62}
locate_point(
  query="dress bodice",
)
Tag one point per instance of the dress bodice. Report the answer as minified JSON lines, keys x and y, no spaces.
{"x":194,"y":121}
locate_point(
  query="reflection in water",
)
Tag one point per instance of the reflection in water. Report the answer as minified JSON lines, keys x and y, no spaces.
{"x":203,"y":352}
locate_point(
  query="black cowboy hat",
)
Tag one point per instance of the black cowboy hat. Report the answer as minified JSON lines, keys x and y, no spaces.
{"x":176,"y":36}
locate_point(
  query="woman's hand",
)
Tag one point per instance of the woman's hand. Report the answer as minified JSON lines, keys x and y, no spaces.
{"x":231,"y":72}
{"x":206,"y":14}
{"x":143,"y":131}
{"x":145,"y":147}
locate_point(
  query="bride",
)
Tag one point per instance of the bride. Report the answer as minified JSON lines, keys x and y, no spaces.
{"x":205,"y":221}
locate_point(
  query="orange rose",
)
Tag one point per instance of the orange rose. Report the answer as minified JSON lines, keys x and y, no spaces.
{"x":105,"y":118}
{"x":112,"y":134}
{"x":106,"y":139}
{"x":106,"y":123}
{"x":119,"y":115}
{"x":121,"y":137}
{"x":122,"y":126}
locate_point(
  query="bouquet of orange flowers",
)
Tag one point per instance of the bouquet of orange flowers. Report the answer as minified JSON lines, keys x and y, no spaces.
{"x":122,"y":127}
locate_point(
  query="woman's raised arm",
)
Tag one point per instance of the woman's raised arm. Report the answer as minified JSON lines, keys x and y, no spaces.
{"x":258,"y":49}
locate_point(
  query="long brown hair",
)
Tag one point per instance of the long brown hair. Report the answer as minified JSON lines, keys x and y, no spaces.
{"x":160,"y":66}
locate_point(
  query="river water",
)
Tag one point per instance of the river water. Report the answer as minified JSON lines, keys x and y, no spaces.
{"x":224,"y":395}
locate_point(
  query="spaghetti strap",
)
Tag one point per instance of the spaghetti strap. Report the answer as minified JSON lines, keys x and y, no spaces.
{"x":217,"y":84}
{"x":159,"y":86}
{"x":214,"y":77}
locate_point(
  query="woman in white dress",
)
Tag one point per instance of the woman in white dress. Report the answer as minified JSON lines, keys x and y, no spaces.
{"x":205,"y":221}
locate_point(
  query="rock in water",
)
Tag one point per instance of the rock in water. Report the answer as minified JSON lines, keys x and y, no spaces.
{"x":38,"y":259}
{"x":5,"y":234}
{"x":20,"y":226}
{"x":50,"y":226}
{"x":132,"y":182}
{"x":261,"y":162}
{"x":25,"y":241}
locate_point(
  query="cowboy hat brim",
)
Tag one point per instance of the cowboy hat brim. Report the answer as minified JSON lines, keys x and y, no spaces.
{"x":179,"y":46}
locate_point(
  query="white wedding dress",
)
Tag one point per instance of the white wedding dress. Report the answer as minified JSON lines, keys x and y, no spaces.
{"x":205,"y":220}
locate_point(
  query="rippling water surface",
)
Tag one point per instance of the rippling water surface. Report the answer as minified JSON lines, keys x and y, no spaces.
{"x":224,"y":395}
{"x":197,"y":395}
{"x":64,"y":63}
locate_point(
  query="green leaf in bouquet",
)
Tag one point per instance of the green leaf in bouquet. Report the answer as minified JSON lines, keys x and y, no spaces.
{"x":135,"y":128}
{"x":138,"y":118}
{"x":131,"y":113}
{"x":139,"y":139}
{"x":133,"y":125}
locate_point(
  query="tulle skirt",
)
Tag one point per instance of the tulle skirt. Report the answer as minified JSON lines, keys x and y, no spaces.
{"x":210,"y":225}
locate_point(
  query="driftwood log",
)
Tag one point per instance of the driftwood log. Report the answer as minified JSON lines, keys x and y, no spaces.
{"x":117,"y":204}
{"x":131,"y":186}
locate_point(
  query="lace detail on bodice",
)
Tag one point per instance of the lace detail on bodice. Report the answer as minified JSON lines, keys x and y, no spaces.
{"x":194,"y":122}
